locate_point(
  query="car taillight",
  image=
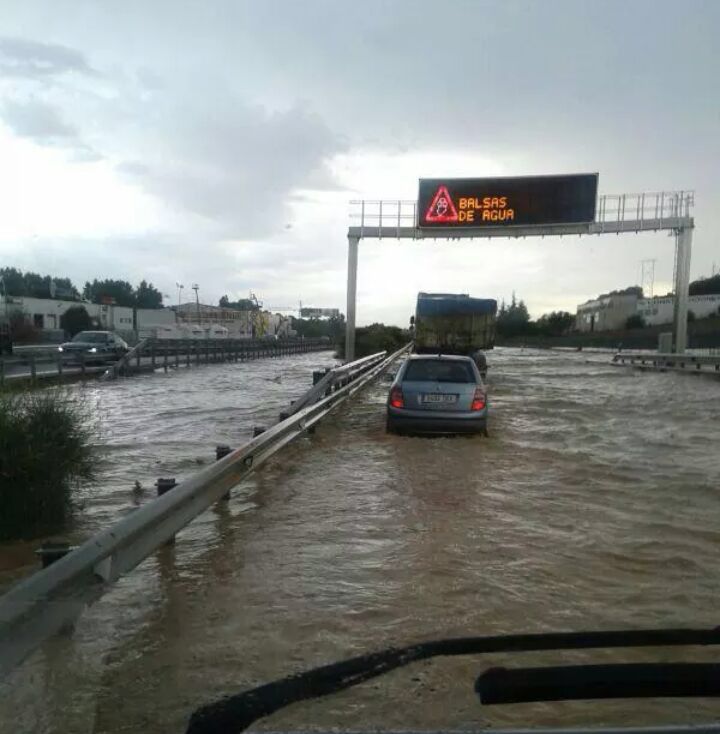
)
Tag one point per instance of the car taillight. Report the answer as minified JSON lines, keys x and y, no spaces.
{"x":479,"y":400}
{"x":396,"y":398}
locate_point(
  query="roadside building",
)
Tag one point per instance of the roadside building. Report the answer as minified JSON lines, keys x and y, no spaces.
{"x":239,"y":324}
{"x":45,"y":314}
{"x":607,"y":312}
{"x":279,"y":325}
{"x":659,"y":310}
{"x":110,"y":317}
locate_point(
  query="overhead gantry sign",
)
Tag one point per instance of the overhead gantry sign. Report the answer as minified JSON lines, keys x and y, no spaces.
{"x":526,"y":206}
{"x":493,"y":202}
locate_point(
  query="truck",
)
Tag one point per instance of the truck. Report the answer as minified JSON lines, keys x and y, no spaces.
{"x":454,"y":323}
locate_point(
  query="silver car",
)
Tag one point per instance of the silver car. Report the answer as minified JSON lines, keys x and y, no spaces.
{"x":437,"y":394}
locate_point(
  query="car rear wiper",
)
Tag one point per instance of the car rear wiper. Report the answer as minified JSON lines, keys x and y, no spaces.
{"x":236,"y":713}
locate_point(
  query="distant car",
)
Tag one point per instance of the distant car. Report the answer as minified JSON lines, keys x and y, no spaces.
{"x":94,"y":346}
{"x":437,"y":394}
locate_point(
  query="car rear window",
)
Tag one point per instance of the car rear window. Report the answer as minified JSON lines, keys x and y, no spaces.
{"x":436,"y":370}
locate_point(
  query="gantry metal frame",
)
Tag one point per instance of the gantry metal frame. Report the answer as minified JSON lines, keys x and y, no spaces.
{"x":614,"y":214}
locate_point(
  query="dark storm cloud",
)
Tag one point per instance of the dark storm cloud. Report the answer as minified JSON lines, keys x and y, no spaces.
{"x":22,"y":57}
{"x":233,"y":163}
{"x":43,"y":124}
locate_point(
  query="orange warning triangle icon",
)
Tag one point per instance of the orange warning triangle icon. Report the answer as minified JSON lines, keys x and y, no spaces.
{"x":441,"y":208}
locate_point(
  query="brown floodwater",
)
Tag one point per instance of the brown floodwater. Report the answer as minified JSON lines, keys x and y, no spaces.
{"x":594,"y":503}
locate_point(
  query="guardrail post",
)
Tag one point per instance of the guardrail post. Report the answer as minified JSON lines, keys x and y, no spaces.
{"x":207,"y":352}
{"x":152,"y":355}
{"x":187,"y":353}
{"x":165,"y":357}
{"x":137,"y":359}
{"x":52,"y":551}
{"x":165,"y":485}
{"x":177,"y":356}
{"x":60,"y":365}
{"x":220,"y":452}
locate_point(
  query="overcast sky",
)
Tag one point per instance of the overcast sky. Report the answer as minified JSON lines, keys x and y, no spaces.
{"x":219,"y":142}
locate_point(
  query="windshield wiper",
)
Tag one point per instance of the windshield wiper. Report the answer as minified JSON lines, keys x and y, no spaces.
{"x":573,"y":682}
{"x":236,"y":713}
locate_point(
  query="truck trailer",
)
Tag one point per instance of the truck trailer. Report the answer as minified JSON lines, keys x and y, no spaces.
{"x":454,"y":323}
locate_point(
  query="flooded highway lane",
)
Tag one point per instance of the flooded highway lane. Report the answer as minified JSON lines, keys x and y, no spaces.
{"x":593,"y":504}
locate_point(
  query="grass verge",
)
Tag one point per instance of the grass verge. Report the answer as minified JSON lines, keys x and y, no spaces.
{"x":46,"y":453}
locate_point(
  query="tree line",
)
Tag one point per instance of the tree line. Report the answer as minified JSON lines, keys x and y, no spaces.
{"x":513,"y":319}
{"x":120,"y":292}
{"x":705,"y":286}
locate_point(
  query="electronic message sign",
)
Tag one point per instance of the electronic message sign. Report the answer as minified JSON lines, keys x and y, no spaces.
{"x":448,"y":203}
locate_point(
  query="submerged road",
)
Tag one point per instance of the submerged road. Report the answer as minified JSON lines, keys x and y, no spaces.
{"x":593,"y":504}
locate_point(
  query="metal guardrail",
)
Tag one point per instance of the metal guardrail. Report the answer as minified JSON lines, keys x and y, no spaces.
{"x":151,"y":354}
{"x":114,"y":369}
{"x":333,"y":379}
{"x":40,"y":605}
{"x":690,"y":363}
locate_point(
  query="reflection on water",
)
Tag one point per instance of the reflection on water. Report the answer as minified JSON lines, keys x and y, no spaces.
{"x":592,"y":505}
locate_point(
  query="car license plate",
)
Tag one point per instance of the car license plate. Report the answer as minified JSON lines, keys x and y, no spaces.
{"x":439,"y":398}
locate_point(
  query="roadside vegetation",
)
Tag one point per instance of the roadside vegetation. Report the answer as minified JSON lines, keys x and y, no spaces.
{"x":75,"y":320}
{"x":513,"y":320}
{"x":376,"y":338}
{"x":333,"y":328}
{"x":33,"y":285}
{"x":46,"y":454}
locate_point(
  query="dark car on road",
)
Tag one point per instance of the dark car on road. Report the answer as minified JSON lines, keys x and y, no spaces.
{"x":94,"y":346}
{"x":437,"y":394}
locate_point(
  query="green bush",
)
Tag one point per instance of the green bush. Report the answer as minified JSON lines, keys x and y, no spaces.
{"x":636,"y":321}
{"x":376,"y":338}
{"x":45,"y":455}
{"x":75,"y":320}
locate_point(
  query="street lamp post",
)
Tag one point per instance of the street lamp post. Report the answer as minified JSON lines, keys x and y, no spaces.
{"x":180,"y":286}
{"x":196,"y":288}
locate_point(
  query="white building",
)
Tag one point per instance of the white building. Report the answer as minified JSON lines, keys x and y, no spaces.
{"x":45,"y":313}
{"x":606,"y":313}
{"x":239,"y":324}
{"x":660,"y":310}
{"x":148,"y":317}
